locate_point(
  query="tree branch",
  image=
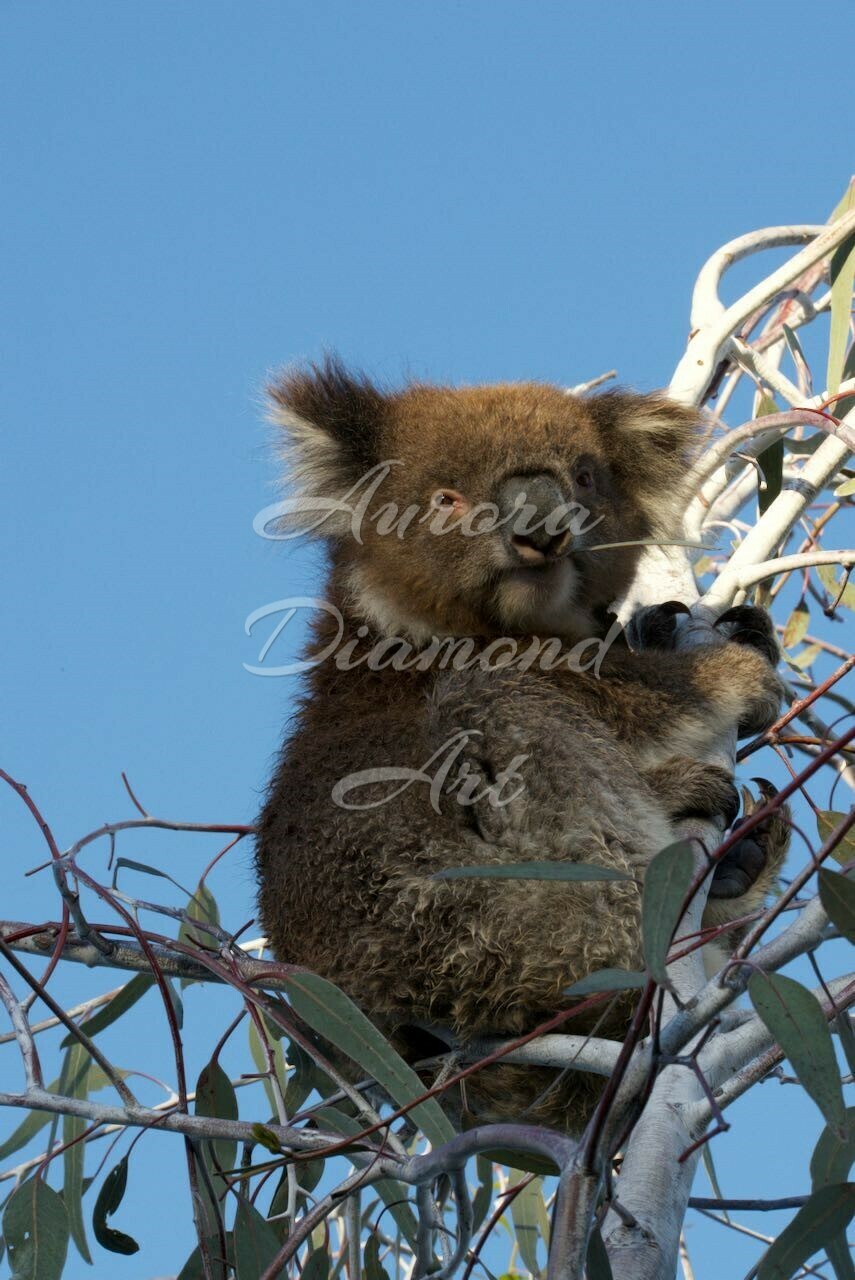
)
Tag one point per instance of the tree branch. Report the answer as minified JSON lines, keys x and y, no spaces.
{"x":128,"y":955}
{"x":712,"y":325}
{"x":743,"y":579}
{"x":193,"y":1126}
{"x":89,"y":1045}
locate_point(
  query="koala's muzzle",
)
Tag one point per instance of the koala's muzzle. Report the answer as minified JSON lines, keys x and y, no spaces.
{"x":536,"y":518}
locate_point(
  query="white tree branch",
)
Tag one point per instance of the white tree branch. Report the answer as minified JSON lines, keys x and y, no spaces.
{"x":779,"y":518}
{"x":766,"y":370}
{"x":578,"y":1053}
{"x":27,"y":1044}
{"x":707,"y":308}
{"x":742,"y":580}
{"x":763,"y":431}
{"x":85,"y":1007}
{"x":582,"y":387}
{"x":654,"y":1186}
{"x":22,"y":1032}
{"x":193,"y":1126}
{"x":129,"y":956}
{"x":712,"y":325}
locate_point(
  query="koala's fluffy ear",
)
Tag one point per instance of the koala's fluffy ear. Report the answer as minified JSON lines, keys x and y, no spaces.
{"x":650,"y":442}
{"x":331,"y":421}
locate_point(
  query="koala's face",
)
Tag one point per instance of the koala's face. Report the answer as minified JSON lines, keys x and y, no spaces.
{"x":480,"y":510}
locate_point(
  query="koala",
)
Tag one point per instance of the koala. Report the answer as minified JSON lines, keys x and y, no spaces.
{"x":490,"y":712}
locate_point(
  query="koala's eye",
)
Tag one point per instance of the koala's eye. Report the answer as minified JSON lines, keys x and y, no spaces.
{"x":448,"y":500}
{"x":584,"y":479}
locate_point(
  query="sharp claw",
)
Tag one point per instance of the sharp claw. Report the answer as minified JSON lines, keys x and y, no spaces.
{"x":748,"y":804}
{"x":766,"y":789}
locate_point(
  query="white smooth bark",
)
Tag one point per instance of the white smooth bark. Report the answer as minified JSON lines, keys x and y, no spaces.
{"x":654,"y":1187}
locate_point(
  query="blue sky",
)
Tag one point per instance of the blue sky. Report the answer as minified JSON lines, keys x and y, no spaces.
{"x":195,"y":193}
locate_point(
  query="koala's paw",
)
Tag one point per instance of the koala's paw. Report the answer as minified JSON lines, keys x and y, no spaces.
{"x":708,"y":791}
{"x":654,"y":626}
{"x":747,"y":624}
{"x":739,"y":869}
{"x":758,"y":857}
{"x":752,"y":666}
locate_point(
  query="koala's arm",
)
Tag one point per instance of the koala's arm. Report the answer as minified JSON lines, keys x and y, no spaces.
{"x":671,"y":702}
{"x":740,"y":674}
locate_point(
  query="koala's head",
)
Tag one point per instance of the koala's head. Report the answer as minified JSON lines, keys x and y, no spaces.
{"x":478,"y":510}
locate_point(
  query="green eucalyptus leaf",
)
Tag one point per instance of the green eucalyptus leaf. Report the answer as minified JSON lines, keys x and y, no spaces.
{"x":771,"y":459}
{"x":827,"y":574}
{"x":805,"y":448}
{"x":771,"y":463}
{"x":256,"y":1244}
{"x":74,"y":1154}
{"x":842,"y":273}
{"x":215,"y":1096}
{"x":794,"y":1017}
{"x":840,"y":591}
{"x":36,"y":1120}
{"x":371,"y":1257}
{"x":260,"y":1058}
{"x":483,"y":1197}
{"x":765,"y":405}
{"x":316,"y":1266}
{"x":202,"y":907}
{"x":533,"y":871}
{"x":32,"y":1123}
{"x":194,"y":1269}
{"x":392,"y":1193}
{"x":834,"y":1153}
{"x":129,"y":994}
{"x":840,"y":1256}
{"x":303,"y":1077}
{"x":35,"y":1227}
{"x":279,"y":1205}
{"x":176,"y":1002}
{"x":329,"y":1011}
{"x":531,"y":1223}
{"x":146,"y":869}
{"x":807,"y":657}
{"x":826,"y":1214}
{"x":846,"y":403}
{"x":597,"y":1265}
{"x":109,"y":1198}
{"x":608,"y":980}
{"x":842,"y":1024}
{"x":837,"y":895}
{"x":706,"y":1156}
{"x":798,"y":355}
{"x":847,"y":597}
{"x":666,"y":883}
{"x":796,"y":627}
{"x":827,"y":823}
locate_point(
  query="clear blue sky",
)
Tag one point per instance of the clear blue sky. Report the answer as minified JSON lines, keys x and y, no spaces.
{"x":196,"y":192}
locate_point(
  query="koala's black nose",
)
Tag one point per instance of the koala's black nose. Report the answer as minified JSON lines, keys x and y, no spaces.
{"x":535,"y":518}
